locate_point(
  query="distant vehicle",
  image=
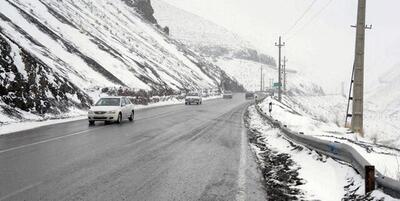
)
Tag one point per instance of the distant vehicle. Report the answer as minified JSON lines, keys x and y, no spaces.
{"x":227,"y":95}
{"x":249,"y":95}
{"x":193,"y":98}
{"x":111,"y":109}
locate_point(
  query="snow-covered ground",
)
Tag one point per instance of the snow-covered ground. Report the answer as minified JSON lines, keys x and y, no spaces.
{"x":26,"y":125}
{"x":12,"y":125}
{"x":321,"y":178}
{"x":383,"y":109}
{"x":380,"y":126}
{"x":315,"y":116}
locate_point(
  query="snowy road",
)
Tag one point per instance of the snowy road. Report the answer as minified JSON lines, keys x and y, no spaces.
{"x":169,"y":153}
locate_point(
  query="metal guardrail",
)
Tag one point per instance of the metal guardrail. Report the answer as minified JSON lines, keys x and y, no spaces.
{"x":338,"y":151}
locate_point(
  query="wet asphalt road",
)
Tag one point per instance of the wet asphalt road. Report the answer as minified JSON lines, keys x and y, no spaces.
{"x":168,"y":153}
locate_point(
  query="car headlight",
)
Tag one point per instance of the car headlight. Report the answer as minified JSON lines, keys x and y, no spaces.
{"x":90,"y":112}
{"x":111,"y":112}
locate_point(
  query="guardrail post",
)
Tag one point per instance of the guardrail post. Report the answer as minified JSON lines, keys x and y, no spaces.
{"x":369,"y":178}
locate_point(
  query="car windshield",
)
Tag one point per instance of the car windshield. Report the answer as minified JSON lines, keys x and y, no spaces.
{"x":228,"y":92}
{"x":108,"y":102}
{"x":193,"y":94}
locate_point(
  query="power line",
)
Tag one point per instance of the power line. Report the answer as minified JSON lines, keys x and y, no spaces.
{"x":301,"y":17}
{"x":311,"y":20}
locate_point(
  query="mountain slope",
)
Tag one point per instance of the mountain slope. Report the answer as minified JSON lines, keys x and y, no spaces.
{"x":195,"y":30}
{"x":101,"y":41}
{"x":87,"y":45}
{"x":36,"y":87}
{"x":226,"y":49}
{"x":205,"y":37}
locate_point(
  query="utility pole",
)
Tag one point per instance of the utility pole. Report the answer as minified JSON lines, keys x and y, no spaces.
{"x":263,"y":81}
{"x":284,"y":74}
{"x":358,"y":85}
{"x":261,"y":78}
{"x":280,"y":45}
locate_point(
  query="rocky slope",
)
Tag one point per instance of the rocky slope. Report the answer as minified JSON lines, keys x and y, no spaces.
{"x":58,"y":55}
{"x":30,"y":85}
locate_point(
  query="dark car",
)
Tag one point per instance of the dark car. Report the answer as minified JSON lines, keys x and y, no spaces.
{"x":227,"y":95}
{"x":249,"y":95}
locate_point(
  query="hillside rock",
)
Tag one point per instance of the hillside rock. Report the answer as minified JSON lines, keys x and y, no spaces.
{"x":32,"y":86}
{"x":144,"y":8}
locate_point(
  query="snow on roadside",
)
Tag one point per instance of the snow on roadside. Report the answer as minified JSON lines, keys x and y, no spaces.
{"x":322,"y":178}
{"x":33,"y":121}
{"x":298,"y":118}
{"x":379,"y":126}
{"x":27,"y":125}
{"x":10,"y":125}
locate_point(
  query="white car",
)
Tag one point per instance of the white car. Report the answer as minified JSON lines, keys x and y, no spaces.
{"x":193,"y":97}
{"x":111,"y":109}
{"x":227,"y":95}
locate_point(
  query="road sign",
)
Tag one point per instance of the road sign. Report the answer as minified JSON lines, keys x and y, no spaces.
{"x":277,"y":84}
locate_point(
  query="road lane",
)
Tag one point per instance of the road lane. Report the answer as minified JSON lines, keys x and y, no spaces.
{"x":169,"y":153}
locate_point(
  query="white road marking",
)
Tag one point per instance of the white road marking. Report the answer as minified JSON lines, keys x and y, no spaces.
{"x":48,"y":140}
{"x":20,"y":191}
{"x":241,"y":194}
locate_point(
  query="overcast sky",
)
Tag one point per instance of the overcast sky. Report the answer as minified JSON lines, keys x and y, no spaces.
{"x":322,"y":42}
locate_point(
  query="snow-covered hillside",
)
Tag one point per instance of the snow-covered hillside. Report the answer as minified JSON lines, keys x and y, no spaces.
{"x":205,"y":37}
{"x":382,"y":109}
{"x":379,"y":126}
{"x":386,"y":96}
{"x":248,"y":72}
{"x":193,"y":30}
{"x":56,"y":54}
{"x":233,"y":54}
